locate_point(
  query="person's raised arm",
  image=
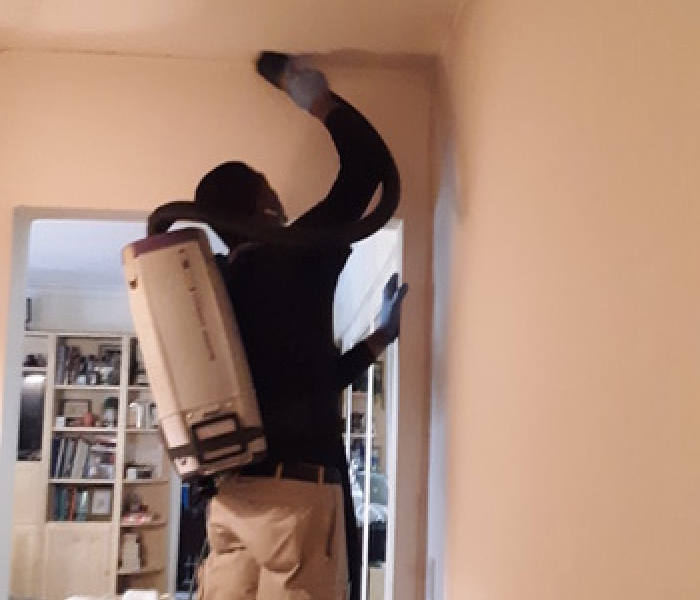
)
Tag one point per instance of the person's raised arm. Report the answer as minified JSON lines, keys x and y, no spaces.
{"x":363,"y":155}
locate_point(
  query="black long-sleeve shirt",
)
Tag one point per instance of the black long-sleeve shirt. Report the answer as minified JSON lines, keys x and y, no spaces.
{"x":283,"y":301}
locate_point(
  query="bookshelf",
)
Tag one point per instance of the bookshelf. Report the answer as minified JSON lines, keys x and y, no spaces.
{"x":105,"y":525}
{"x":364,"y":409}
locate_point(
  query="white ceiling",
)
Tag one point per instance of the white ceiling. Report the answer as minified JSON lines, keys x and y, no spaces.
{"x":74,"y":255}
{"x":225,"y":28}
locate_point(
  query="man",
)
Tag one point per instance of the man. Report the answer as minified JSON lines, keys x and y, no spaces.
{"x":285,"y":528}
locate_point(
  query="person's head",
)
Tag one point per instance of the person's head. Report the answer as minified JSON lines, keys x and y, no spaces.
{"x":234,"y":191}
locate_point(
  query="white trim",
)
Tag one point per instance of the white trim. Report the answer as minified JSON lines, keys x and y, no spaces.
{"x":363,"y":322}
{"x":392,"y":366}
{"x":11,"y":391}
{"x":22,"y":219}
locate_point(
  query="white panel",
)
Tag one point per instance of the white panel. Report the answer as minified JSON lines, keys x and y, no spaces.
{"x":28,"y":479}
{"x":26,"y":552}
{"x":80,"y":310}
{"x":77,"y":560}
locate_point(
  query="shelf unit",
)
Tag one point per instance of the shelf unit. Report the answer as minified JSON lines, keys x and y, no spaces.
{"x":364,"y":410}
{"x":143,"y":446}
{"x":28,"y":517}
{"x":357,"y":414}
{"x":89,"y":487}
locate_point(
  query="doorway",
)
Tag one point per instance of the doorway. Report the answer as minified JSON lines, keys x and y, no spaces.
{"x":67,"y":529}
{"x":370,"y":408}
{"x":360,"y":296}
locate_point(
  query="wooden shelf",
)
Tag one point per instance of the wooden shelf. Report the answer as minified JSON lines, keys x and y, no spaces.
{"x":149,"y":481}
{"x":142,"y":430}
{"x":74,"y":522}
{"x":110,"y":336}
{"x":98,"y":525}
{"x":87,"y":388}
{"x":145,"y":525}
{"x":69,"y":481}
{"x":141,"y":571}
{"x":112,"y":430}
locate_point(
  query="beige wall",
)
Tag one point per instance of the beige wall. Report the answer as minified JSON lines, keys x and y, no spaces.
{"x":125,"y":134}
{"x":574,"y":379}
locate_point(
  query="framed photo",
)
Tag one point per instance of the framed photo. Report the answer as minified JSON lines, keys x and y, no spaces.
{"x":107,"y":351}
{"x":101,"y":503}
{"x":75,"y":409}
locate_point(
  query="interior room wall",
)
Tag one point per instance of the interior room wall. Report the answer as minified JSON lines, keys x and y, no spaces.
{"x":573,"y":377}
{"x":125,"y":134}
{"x":71,"y":310}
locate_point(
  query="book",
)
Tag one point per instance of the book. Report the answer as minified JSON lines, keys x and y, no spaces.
{"x":79,"y":459}
{"x":60,"y":364}
{"x":63,"y":501}
{"x":73,"y":365}
{"x":82,"y":505}
{"x":92,"y":465}
{"x":58,"y":467}
{"x":68,"y":458}
{"x":55,"y":449}
{"x":71,"y":504}
{"x":57,"y":504}
{"x":56,"y":509}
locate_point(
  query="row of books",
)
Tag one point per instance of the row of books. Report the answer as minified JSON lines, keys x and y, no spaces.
{"x":83,"y":457}
{"x":71,"y":504}
{"x":75,"y":368}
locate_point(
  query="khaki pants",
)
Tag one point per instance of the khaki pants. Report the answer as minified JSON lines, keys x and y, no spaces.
{"x":275,"y":539}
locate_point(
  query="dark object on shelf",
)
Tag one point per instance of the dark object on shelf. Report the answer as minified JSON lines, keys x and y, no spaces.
{"x":34,"y":360}
{"x":137,"y":369}
{"x":115,"y":365}
{"x":191,"y":539}
{"x":360,"y":384}
{"x":377,"y":542}
{"x":109,"y":411}
{"x":31,"y":416}
{"x":357,"y":422}
{"x":134,"y":471}
{"x":88,"y":420}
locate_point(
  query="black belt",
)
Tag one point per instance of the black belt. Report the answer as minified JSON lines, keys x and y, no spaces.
{"x":295,"y":470}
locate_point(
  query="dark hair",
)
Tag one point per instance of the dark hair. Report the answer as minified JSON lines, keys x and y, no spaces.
{"x":231,"y":188}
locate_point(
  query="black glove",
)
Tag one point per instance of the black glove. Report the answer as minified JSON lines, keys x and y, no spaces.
{"x":390,"y":313}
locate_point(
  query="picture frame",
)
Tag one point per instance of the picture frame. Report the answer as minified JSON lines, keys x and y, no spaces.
{"x":75,"y":409}
{"x":107,"y":350}
{"x":101,"y":504}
